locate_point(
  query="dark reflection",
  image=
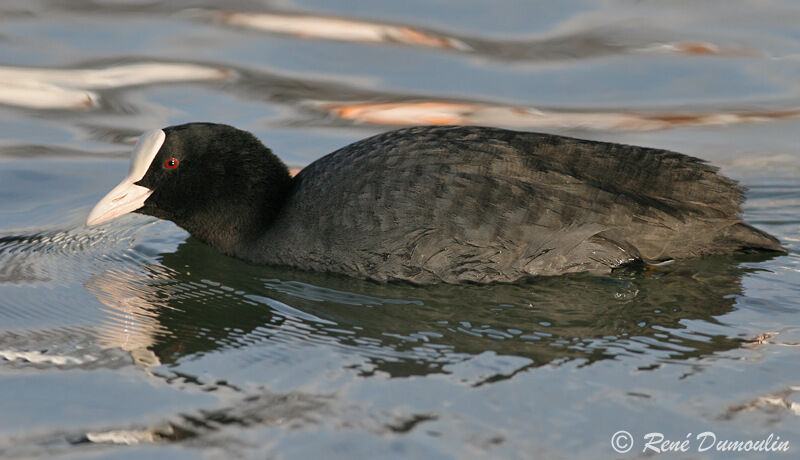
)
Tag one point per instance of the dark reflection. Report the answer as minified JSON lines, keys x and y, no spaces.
{"x":200,"y":301}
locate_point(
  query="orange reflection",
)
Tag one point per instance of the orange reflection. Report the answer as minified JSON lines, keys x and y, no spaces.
{"x":443,"y":113}
{"x":403,"y":113}
{"x":706,"y":49}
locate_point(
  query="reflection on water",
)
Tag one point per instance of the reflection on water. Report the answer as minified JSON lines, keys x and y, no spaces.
{"x":332,"y":28}
{"x":85,"y":88}
{"x":75,"y":89}
{"x":41,"y":88}
{"x":444,"y":113}
{"x":595,"y":42}
{"x":134,"y":339}
{"x":195,"y":301}
{"x":179,"y":306}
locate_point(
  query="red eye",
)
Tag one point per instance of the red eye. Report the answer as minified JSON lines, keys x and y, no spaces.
{"x":172,"y":163}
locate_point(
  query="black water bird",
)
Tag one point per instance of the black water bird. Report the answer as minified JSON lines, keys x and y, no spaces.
{"x":437,"y":204}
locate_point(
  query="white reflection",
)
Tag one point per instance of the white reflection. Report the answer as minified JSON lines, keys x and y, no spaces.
{"x":72,"y":89}
{"x":125,"y":437}
{"x":333,"y":28}
{"x":132,"y":323}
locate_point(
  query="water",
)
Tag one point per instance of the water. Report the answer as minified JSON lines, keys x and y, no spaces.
{"x":133,"y":340}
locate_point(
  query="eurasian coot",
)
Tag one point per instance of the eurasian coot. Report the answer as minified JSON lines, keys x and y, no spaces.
{"x":437,"y":204}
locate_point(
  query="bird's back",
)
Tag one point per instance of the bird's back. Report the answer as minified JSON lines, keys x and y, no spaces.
{"x":430,"y":204}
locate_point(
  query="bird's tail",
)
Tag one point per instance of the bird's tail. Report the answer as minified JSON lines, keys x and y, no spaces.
{"x":747,"y":239}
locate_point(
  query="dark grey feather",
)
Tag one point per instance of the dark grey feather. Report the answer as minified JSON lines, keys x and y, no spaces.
{"x":473,"y":204}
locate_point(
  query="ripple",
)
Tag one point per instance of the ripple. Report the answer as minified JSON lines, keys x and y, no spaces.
{"x":399,"y":327}
{"x":62,"y":348}
{"x":212,"y":353}
{"x":41,"y":257}
{"x":264,"y":409}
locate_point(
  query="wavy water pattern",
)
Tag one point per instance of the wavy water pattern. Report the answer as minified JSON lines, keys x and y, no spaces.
{"x":134,"y":339}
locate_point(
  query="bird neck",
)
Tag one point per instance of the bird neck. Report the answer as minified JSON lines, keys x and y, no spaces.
{"x":226,"y":232}
{"x":234,"y":223}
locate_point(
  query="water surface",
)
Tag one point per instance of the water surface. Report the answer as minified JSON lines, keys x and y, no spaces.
{"x":135,"y":340}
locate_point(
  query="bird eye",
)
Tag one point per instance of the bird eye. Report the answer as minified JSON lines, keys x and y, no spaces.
{"x":172,"y":163}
